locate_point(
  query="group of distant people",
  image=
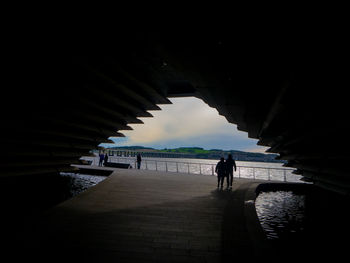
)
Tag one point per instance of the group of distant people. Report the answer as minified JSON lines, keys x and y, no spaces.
{"x":103,"y":159}
{"x":224,"y":168}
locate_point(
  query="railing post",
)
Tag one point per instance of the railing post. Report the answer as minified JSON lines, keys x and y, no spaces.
{"x":254,"y":173}
{"x":284,"y":175}
{"x":177,"y":167}
{"x":146,"y":165}
{"x":212,"y":169}
{"x":239,"y":172}
{"x":166,"y":166}
{"x":188,"y":167}
{"x":268,"y":173}
{"x":156,"y":166}
{"x":200,"y":169}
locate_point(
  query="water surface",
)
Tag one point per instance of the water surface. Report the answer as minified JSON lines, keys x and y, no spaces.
{"x":281,"y":213}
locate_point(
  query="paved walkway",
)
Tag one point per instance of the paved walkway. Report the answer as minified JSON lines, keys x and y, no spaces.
{"x":150,"y":216}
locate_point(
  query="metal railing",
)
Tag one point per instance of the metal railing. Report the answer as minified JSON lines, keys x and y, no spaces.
{"x":251,"y":172}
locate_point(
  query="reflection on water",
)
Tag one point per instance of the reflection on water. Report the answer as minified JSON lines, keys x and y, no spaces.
{"x":81,"y":182}
{"x":281,"y":213}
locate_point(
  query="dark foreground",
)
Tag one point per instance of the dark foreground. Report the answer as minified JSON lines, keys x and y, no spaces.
{"x":147,"y":216}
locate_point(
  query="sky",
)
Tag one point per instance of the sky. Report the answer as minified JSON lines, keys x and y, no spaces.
{"x":188,"y":122}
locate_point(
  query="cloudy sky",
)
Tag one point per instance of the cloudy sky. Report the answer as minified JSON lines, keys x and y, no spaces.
{"x":187,"y":122}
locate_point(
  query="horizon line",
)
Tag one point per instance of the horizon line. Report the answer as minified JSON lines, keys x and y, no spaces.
{"x":149,"y":147}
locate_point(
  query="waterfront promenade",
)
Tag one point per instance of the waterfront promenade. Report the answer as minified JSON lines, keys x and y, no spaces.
{"x":150,"y":216}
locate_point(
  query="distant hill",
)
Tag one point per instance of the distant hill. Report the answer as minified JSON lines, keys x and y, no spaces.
{"x":133,"y":148}
{"x":200,"y":153}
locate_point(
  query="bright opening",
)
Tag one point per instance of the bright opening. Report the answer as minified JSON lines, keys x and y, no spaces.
{"x":188,"y":122}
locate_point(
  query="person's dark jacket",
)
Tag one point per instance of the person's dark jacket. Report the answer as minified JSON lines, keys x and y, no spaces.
{"x":230,"y":163}
{"x":220,"y":168}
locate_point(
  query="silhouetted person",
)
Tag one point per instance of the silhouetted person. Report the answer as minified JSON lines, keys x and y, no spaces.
{"x":102,"y":157}
{"x":105,"y":159}
{"x":220,"y":169}
{"x":230,"y":163}
{"x":138,"y":160}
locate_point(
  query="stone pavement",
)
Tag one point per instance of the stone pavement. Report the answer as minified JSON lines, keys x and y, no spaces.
{"x":150,"y":216}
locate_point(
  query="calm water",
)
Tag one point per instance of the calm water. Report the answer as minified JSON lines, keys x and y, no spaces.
{"x":80,"y":182}
{"x":251,"y":170}
{"x":281,"y":213}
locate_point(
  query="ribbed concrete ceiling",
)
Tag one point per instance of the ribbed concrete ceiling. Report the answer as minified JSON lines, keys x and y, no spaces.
{"x":55,"y":108}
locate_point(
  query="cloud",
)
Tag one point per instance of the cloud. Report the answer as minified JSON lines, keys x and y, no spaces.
{"x":187,"y":122}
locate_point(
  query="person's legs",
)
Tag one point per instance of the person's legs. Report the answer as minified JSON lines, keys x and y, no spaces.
{"x":218,"y":181}
{"x":231,"y":178}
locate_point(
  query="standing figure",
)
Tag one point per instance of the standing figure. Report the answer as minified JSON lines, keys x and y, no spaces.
{"x":230,"y":163}
{"x":102,"y":157}
{"x":138,"y":160}
{"x":105,"y":159}
{"x":220,"y":169}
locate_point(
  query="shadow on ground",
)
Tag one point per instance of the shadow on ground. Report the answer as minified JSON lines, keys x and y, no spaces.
{"x":203,"y":229}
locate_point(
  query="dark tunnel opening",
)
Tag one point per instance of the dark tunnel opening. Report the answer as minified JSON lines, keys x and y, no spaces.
{"x":67,"y":106}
